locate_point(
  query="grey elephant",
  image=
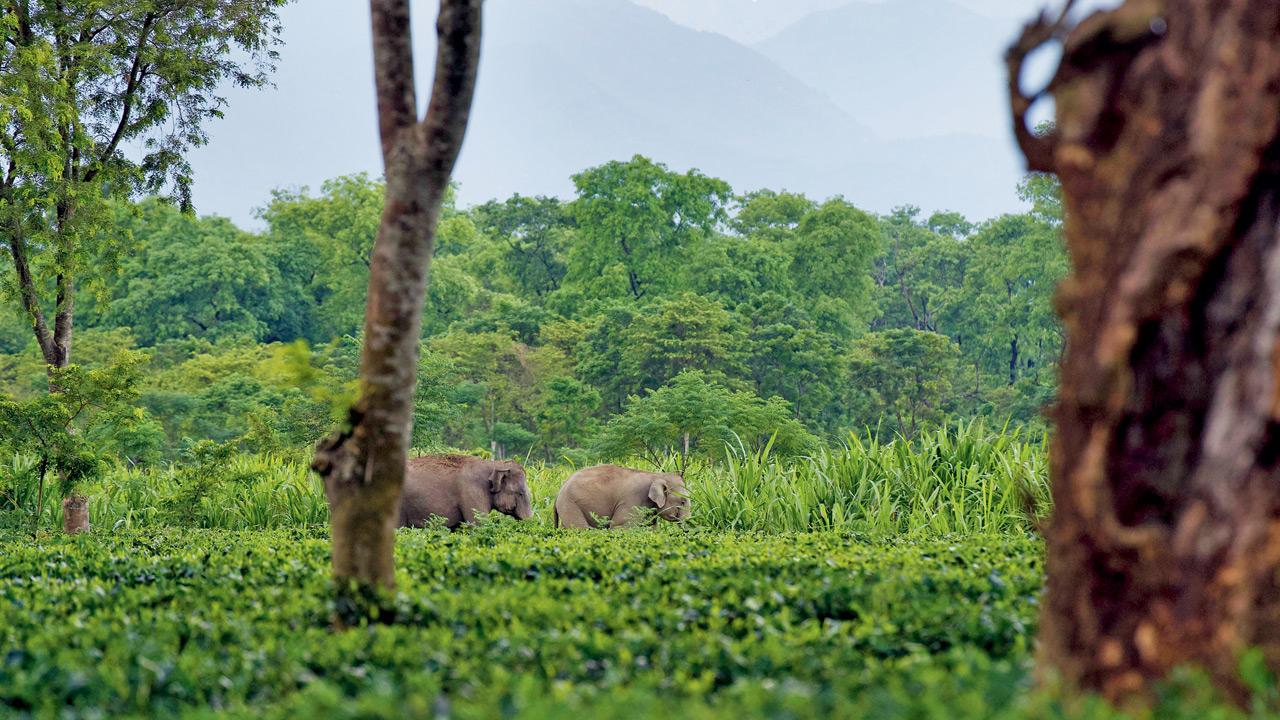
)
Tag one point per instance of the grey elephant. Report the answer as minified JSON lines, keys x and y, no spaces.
{"x":620,"y":494}
{"x":458,"y":488}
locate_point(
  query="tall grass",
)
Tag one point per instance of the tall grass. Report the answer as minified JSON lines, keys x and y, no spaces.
{"x":964,"y":479}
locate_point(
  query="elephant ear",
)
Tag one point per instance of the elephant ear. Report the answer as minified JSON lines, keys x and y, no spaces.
{"x":658,"y":493}
{"x":496,"y":477}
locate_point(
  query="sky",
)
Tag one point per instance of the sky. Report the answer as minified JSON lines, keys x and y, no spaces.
{"x":318,"y":122}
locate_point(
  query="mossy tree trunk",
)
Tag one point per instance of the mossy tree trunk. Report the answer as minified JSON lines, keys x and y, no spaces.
{"x":1164,"y":544}
{"x":363,"y":465}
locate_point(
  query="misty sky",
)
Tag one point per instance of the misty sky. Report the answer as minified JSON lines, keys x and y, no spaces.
{"x":318,"y":122}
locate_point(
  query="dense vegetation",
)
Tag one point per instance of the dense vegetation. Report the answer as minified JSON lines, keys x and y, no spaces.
{"x":655,"y":311}
{"x":963,"y":480}
{"x":508,"y":620}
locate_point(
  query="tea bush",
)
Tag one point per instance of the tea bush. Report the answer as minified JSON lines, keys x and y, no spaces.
{"x":507,"y":620}
{"x":504,"y":618}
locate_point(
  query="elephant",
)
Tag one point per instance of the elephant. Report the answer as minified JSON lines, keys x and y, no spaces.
{"x":617,"y":493}
{"x":458,"y":488}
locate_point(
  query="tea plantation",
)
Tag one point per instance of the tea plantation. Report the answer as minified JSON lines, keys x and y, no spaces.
{"x":524,"y":621}
{"x":503,"y":620}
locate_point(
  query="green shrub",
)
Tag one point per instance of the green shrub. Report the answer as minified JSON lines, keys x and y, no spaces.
{"x":500,"y":618}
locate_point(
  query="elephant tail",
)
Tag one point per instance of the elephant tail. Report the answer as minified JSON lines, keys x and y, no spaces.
{"x":555,"y":514}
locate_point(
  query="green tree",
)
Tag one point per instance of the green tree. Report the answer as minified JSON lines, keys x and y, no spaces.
{"x":789,"y":358}
{"x":52,"y":427}
{"x":692,"y":415}
{"x":322,"y":247}
{"x":565,"y":414}
{"x":1016,"y":266}
{"x":82,"y":81}
{"x":637,"y":224}
{"x":902,"y":376}
{"x":194,"y":277}
{"x":534,"y":235}
{"x":921,"y":270}
{"x":679,"y":333}
{"x":770,"y":215}
{"x":832,"y":251}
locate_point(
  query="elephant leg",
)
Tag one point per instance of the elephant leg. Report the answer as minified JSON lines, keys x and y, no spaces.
{"x":571,"y":516}
{"x":627,"y":515}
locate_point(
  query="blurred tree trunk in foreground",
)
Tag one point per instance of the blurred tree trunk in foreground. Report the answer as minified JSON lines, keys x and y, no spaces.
{"x":363,"y":465}
{"x":1164,"y":545}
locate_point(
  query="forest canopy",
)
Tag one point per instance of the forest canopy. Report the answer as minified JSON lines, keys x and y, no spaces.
{"x":652,"y":299}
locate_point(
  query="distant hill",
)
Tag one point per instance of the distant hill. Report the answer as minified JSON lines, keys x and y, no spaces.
{"x":567,"y":84}
{"x":746,"y":21}
{"x":907,"y":68}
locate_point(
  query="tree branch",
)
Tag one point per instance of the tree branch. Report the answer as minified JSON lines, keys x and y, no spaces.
{"x":27,"y":292}
{"x":130,"y":93}
{"x":1037,"y":149}
{"x":393,"y":70}
{"x":457,"y":63}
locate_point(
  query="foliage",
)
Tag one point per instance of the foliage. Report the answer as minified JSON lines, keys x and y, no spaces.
{"x":583,"y":615}
{"x":963,"y":479}
{"x":694,"y":414}
{"x":627,"y":624}
{"x":825,"y":318}
{"x":68,"y":432}
{"x":637,"y":221}
{"x":193,"y":278}
{"x":905,"y":373}
{"x":101,"y":101}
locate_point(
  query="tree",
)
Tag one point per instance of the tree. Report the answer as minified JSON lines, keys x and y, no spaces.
{"x":534,"y":234}
{"x":636,"y":221}
{"x":1016,"y":263}
{"x":832,"y":251}
{"x":195,"y":277}
{"x":693,"y":414}
{"x":920,"y":268}
{"x":1162,"y":549}
{"x":903,"y":376}
{"x":323,"y":246}
{"x":564,"y":417}
{"x":84,"y":86}
{"x":788,"y":358}
{"x":363,"y":464}
{"x":770,"y":215}
{"x":683,"y":332}
{"x":52,"y":428}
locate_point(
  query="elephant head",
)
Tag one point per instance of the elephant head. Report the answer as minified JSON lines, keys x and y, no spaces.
{"x":510,"y":491}
{"x":670,"y":495}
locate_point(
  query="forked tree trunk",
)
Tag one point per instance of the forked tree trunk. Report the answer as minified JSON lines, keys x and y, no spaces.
{"x":363,"y":465}
{"x":1164,"y":544}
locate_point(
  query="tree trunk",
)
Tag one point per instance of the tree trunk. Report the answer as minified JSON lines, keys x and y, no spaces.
{"x":1164,"y":544}
{"x":363,"y":465}
{"x":75,"y":514}
{"x":1013,"y":360}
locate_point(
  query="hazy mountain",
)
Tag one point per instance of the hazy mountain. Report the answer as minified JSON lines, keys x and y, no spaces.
{"x":907,"y":68}
{"x":570,"y":83}
{"x":566,"y":84}
{"x":746,"y":21}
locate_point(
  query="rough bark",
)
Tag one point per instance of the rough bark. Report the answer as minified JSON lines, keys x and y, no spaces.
{"x":363,"y":465}
{"x":75,"y":514}
{"x":1164,"y":544}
